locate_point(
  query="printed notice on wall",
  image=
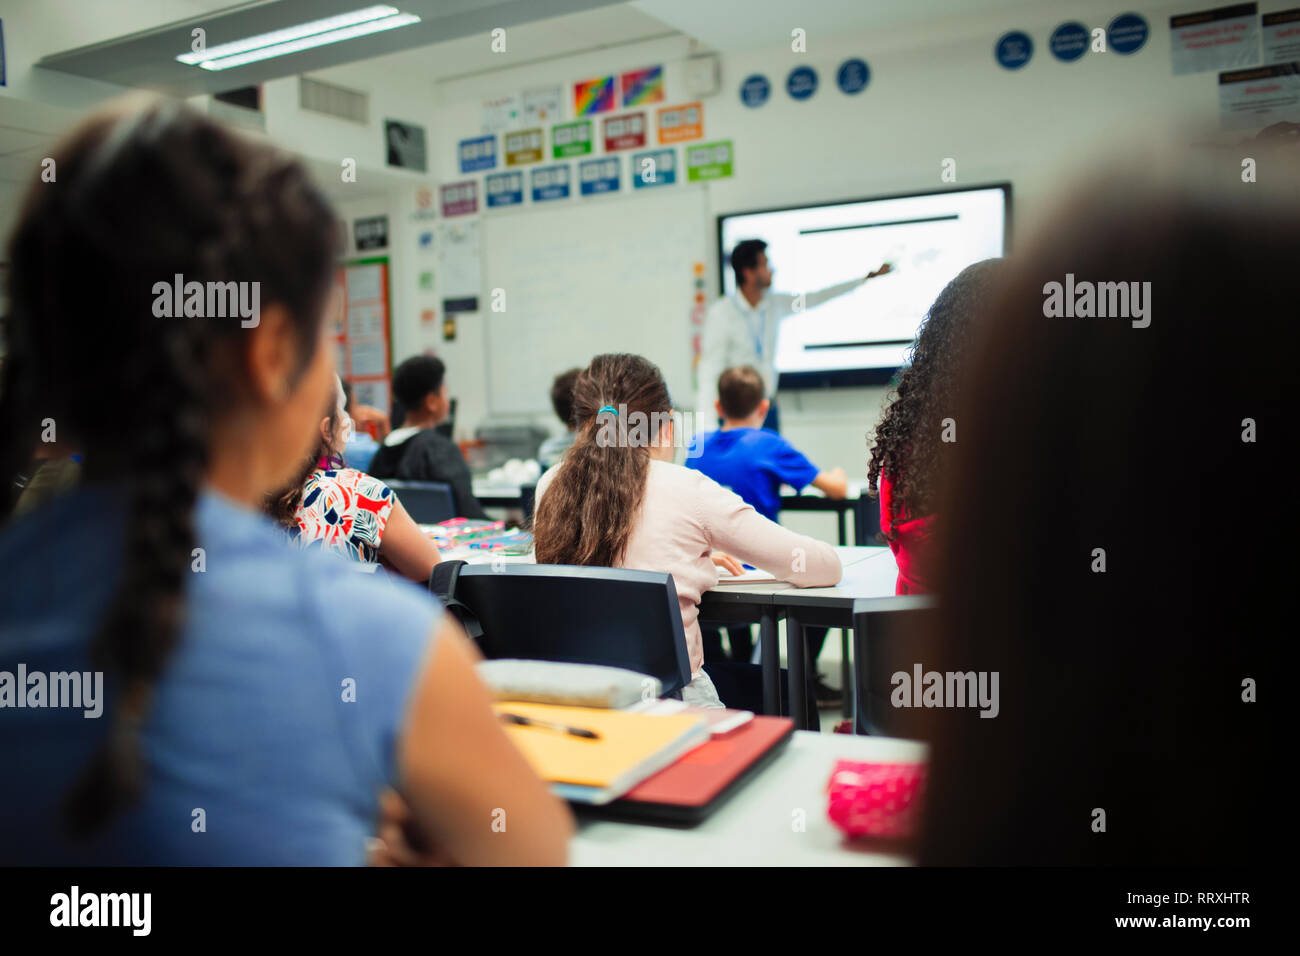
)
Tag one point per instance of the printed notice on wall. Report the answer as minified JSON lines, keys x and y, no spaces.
{"x":1252,"y":99}
{"x":1281,"y":35}
{"x":1221,"y":39}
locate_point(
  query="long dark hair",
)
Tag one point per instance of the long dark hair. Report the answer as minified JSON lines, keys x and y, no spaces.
{"x":1096,"y":549}
{"x":908,"y":441}
{"x":587,"y":513}
{"x":144,"y":192}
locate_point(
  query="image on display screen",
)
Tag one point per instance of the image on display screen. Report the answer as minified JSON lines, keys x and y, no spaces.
{"x":926,"y":238}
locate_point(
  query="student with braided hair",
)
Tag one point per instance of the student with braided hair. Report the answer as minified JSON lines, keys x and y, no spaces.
{"x":257,"y":702}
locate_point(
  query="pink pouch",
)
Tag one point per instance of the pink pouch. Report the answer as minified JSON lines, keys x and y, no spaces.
{"x":875,"y":799}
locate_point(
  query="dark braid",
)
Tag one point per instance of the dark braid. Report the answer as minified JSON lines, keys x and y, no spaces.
{"x":142,"y":194}
{"x":908,"y":443}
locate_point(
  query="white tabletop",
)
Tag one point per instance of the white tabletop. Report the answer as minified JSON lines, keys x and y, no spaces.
{"x":759,"y":825}
{"x":856,"y":490}
{"x":868,"y":572}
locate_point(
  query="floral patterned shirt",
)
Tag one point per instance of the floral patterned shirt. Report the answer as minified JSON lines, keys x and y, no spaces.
{"x":344,"y":511}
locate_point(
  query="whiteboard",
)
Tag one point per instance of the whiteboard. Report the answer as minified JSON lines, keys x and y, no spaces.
{"x":587,"y":276}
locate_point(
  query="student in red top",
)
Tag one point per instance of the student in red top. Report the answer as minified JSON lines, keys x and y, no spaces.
{"x":913,"y":440}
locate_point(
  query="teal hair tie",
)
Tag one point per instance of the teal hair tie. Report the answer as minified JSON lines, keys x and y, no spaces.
{"x":607,"y":408}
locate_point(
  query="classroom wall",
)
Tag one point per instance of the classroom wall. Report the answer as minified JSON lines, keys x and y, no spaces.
{"x":935,"y":92}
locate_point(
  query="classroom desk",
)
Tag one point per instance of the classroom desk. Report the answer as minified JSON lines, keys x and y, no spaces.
{"x":811,"y":499}
{"x":868,"y":573}
{"x":755,"y":826}
{"x":495,"y":494}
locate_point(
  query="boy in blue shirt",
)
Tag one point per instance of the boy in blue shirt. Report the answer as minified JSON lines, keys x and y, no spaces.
{"x":754,"y":463}
{"x":748,"y":459}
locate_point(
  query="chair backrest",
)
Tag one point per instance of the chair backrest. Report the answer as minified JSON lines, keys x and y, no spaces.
{"x":428,"y":502}
{"x":866,"y":522}
{"x":883,"y":645}
{"x":552,"y":612}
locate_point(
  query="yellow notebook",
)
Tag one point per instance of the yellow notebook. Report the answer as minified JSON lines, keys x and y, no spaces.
{"x":631,"y":747}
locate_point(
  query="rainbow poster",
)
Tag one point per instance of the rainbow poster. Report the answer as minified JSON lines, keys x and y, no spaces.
{"x":643,"y":86}
{"x":593,"y":96}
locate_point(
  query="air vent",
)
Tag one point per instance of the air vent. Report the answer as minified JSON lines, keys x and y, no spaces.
{"x":336,"y":101}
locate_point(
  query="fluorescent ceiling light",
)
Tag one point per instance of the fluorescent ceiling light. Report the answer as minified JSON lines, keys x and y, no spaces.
{"x":304,"y":36}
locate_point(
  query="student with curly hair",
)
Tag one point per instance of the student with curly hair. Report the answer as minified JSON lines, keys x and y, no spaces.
{"x":913,"y":440}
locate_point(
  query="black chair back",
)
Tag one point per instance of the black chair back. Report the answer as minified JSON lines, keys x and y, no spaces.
{"x":428,"y":502}
{"x":883,"y":645}
{"x":610,"y":616}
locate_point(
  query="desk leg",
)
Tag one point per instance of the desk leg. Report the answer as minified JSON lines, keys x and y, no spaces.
{"x":846,"y":675}
{"x":771,"y":656}
{"x":843,"y":527}
{"x":794,"y":656}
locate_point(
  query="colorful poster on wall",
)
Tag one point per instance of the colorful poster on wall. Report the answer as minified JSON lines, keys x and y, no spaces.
{"x":524,"y":147}
{"x":362,"y":340}
{"x":1282,"y":36}
{"x":655,"y":167}
{"x":1226,"y":38}
{"x":504,"y":189}
{"x":460,"y":199}
{"x":755,"y":90}
{"x":478,"y":153}
{"x":624,"y":132}
{"x":543,"y":106}
{"x":1258,"y":97}
{"x":709,"y":161}
{"x":677,"y":123}
{"x":550,"y":182}
{"x":597,"y":176}
{"x":643,"y":86}
{"x":500,"y":113}
{"x":571,"y":139}
{"x":593,"y":96}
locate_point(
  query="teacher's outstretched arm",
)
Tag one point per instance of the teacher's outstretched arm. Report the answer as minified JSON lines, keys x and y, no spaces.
{"x":813,"y":299}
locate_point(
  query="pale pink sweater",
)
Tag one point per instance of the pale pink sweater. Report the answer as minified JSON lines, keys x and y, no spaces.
{"x":685,"y":516}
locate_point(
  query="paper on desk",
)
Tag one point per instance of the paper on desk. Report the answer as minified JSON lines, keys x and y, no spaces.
{"x":748,"y":577}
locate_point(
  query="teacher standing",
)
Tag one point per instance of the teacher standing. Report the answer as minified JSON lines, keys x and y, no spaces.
{"x":741,"y":328}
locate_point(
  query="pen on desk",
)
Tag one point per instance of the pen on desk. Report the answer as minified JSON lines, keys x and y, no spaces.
{"x":550,"y":725}
{"x":749,"y":567}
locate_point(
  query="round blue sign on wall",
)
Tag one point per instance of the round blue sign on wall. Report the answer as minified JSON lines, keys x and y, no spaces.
{"x":1069,"y":41}
{"x":1127,"y":33}
{"x":854,"y":75}
{"x":801,"y":83}
{"x":1014,"y":49}
{"x":755,"y":90}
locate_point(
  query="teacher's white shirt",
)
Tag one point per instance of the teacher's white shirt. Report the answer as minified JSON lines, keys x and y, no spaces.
{"x":737,"y":333}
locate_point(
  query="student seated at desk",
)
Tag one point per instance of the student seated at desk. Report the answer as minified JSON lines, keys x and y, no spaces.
{"x":1110,"y":546}
{"x":748,"y":459}
{"x":418,"y":451}
{"x":617,"y":500}
{"x":911,"y":448}
{"x":562,"y":401}
{"x":230,"y":681}
{"x":347,"y":512}
{"x":754,"y":463}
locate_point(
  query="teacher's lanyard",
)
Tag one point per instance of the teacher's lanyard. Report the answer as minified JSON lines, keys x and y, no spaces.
{"x":758,"y":336}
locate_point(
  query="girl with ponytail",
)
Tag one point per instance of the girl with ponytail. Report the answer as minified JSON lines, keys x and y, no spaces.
{"x":181,"y":670}
{"x":617,"y":500}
